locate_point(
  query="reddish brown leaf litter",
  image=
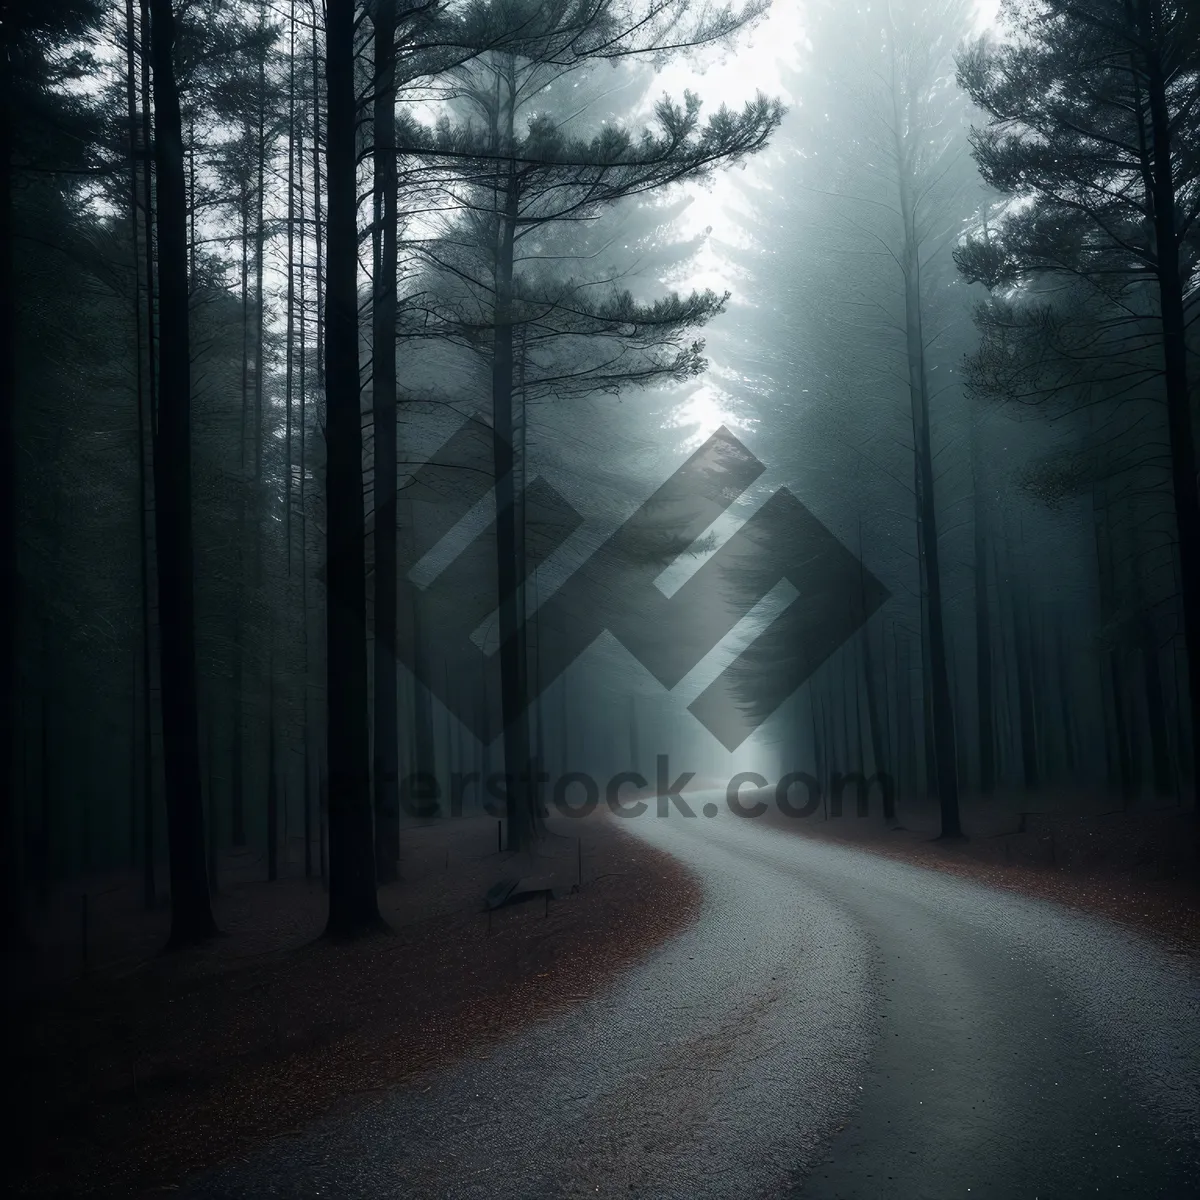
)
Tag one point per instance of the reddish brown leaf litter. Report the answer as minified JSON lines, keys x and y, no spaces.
{"x":134,"y":1076}
{"x":1138,"y":867}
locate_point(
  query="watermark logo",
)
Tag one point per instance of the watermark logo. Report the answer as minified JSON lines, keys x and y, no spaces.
{"x":443,"y":603}
{"x":423,"y":795}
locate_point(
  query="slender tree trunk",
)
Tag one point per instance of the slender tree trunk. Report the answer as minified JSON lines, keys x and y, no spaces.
{"x":1022,"y":657}
{"x":148,"y":448}
{"x":323,"y":827}
{"x":149,"y":209}
{"x":302,"y":500}
{"x":424,"y":756}
{"x":131,"y":116}
{"x":318,"y":228}
{"x":42,"y":862}
{"x":210,"y":741}
{"x":259,"y":307}
{"x":141,"y":155}
{"x":257,"y":495}
{"x":940,"y":706}
{"x":860,"y":738}
{"x":1168,"y":244}
{"x":509,"y":572}
{"x":191,"y":911}
{"x":985,"y":716}
{"x":1039,"y":648}
{"x":291,"y":290}
{"x":11,"y":920}
{"x":1065,"y":700}
{"x":272,"y":785}
{"x":878,"y":732}
{"x":905,"y":726}
{"x":1125,"y":754}
{"x":237,"y":793}
{"x":383,"y":378}
{"x":353,"y":902}
{"x":1111,"y":675}
{"x":191,"y":203}
{"x":133,"y":766}
{"x":308,"y":815}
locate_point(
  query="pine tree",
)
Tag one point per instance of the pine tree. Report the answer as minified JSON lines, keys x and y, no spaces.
{"x":353,"y":904}
{"x":539,"y":329}
{"x":1095,"y":127}
{"x":191,"y":910}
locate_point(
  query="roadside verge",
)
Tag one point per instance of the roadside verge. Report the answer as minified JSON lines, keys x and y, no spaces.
{"x":132,"y":1079}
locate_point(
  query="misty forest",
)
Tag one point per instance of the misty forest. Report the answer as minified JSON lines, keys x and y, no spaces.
{"x":426,"y":423}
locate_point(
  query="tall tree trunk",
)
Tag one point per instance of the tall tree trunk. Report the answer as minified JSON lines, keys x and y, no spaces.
{"x":985,"y":717}
{"x":424,"y":756}
{"x":940,"y":706}
{"x":318,"y":228}
{"x":191,"y":910}
{"x":149,"y":210}
{"x":906,"y":730}
{"x":291,"y":291}
{"x":140,"y":154}
{"x":131,"y":116}
{"x":237,"y":788}
{"x":11,"y":923}
{"x":383,"y":392}
{"x":1168,"y":245}
{"x":890,"y":745}
{"x":148,"y":444}
{"x":302,"y":500}
{"x":272,"y":784}
{"x":1022,"y":657}
{"x":259,"y":305}
{"x":210,"y":741}
{"x":1065,"y":699}
{"x":191,"y":202}
{"x":877,"y":731}
{"x":353,"y":901}
{"x":308,"y":814}
{"x":323,"y":826}
{"x":1125,"y":764}
{"x":41,"y":858}
{"x":509,"y":569}
{"x":133,"y":766}
{"x":1111,"y":674}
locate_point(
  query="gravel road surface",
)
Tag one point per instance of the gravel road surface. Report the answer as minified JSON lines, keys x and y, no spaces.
{"x":834,"y":1025}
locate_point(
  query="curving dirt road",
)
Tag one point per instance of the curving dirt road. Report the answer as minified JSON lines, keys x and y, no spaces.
{"x":834,"y":1025}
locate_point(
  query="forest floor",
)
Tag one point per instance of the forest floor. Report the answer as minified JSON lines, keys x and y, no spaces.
{"x":146,"y":1067}
{"x":1139,"y":866}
